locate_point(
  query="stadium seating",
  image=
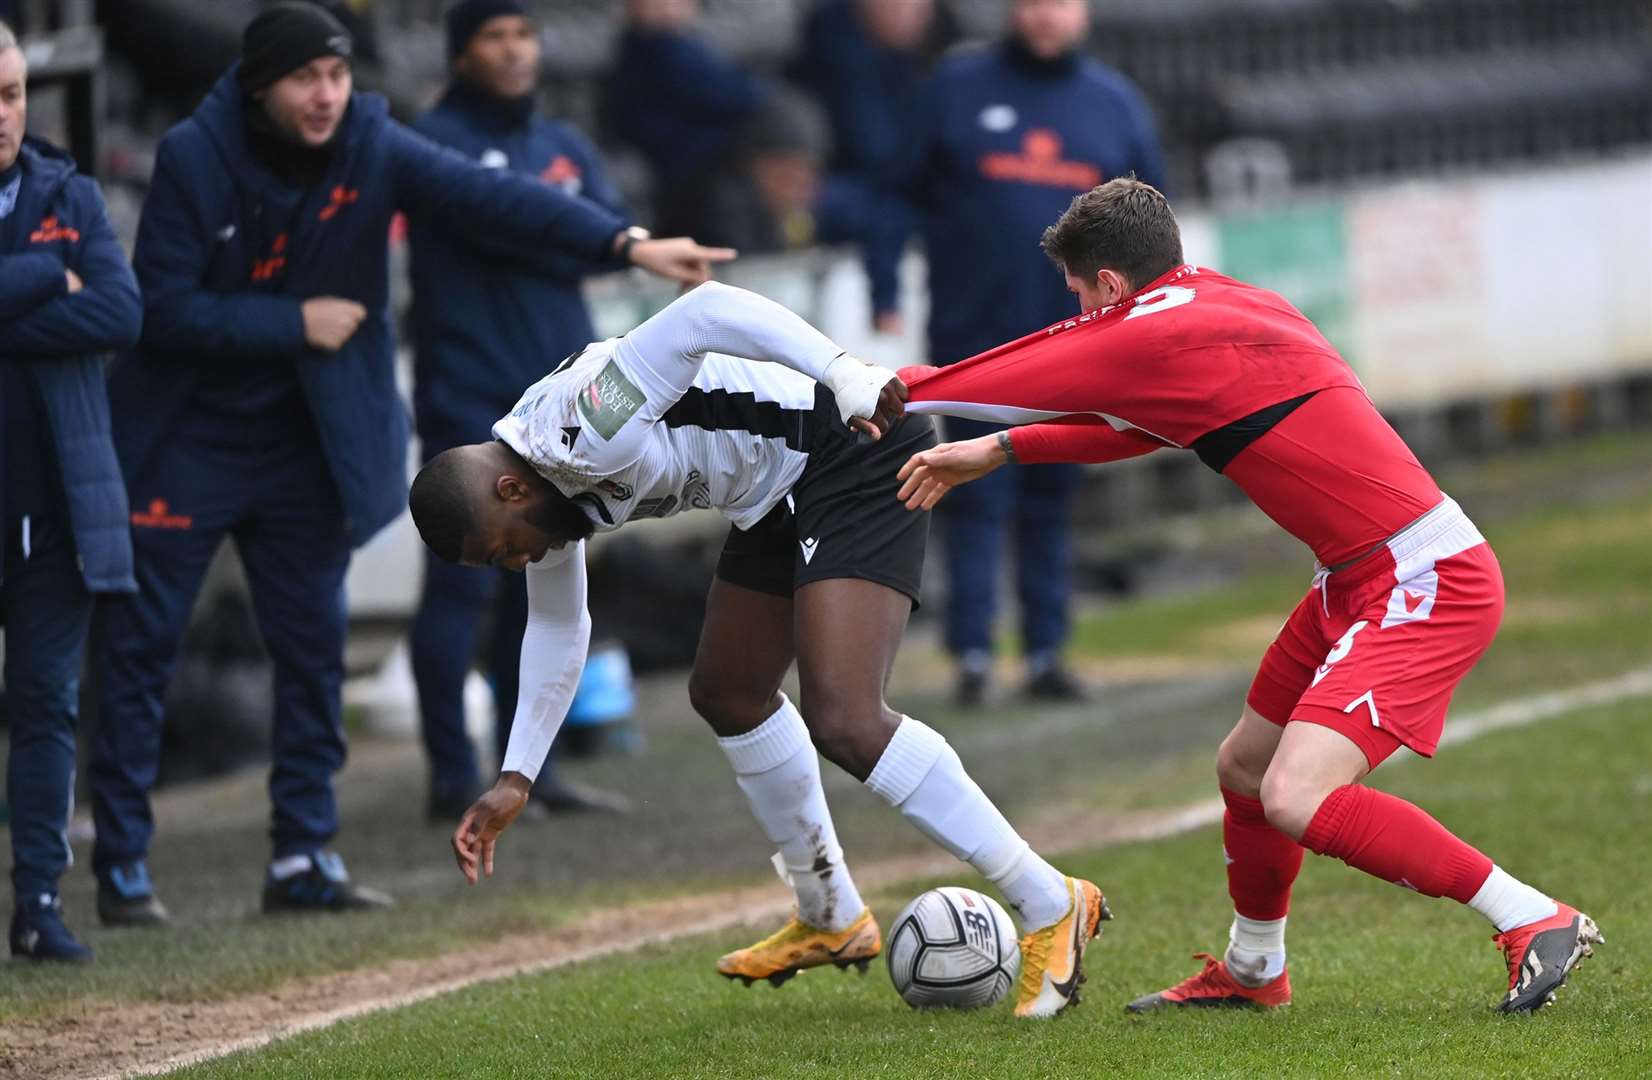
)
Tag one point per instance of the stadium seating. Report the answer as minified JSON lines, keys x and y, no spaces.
{"x":1346,"y":88}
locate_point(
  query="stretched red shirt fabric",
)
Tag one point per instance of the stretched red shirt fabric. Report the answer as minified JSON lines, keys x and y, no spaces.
{"x":1199,"y":358}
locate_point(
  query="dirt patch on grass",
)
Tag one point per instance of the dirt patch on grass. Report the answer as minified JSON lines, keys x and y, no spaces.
{"x":105,"y":1039}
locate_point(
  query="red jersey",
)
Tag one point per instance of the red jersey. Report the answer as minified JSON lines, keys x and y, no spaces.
{"x":1202,"y":362}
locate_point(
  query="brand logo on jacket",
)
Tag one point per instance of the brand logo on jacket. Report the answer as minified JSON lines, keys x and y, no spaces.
{"x":1040,"y":162}
{"x":999,"y":118}
{"x":564,"y":174}
{"x":51,"y":231}
{"x":266,"y":269}
{"x":159,"y":516}
{"x":338,"y":199}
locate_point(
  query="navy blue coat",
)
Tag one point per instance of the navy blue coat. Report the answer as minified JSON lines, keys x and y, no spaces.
{"x":489,"y":319}
{"x":61,"y":339}
{"x":678,"y":101}
{"x":871,"y":93}
{"x":214,"y":218}
{"x":1000,"y":149}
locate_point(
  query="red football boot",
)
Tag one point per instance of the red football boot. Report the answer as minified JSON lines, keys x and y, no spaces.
{"x":1541,"y":954}
{"x":1213,"y":987}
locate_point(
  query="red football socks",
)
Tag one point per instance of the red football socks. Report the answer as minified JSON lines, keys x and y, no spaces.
{"x":1392,"y":839}
{"x":1262,"y":861}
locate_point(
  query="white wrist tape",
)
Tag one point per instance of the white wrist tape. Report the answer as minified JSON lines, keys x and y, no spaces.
{"x":856,"y":385}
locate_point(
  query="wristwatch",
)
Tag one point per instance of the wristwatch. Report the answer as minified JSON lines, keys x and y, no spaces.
{"x":627,"y":240}
{"x":1006,"y":444}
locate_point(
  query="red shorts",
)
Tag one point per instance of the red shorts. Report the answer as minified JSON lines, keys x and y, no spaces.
{"x":1374,"y":651}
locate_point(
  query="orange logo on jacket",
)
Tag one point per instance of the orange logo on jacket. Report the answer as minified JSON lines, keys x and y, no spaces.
{"x":340,"y":198}
{"x":266,"y":269}
{"x":158,"y":516}
{"x":1040,"y":162}
{"x":50,"y":231}
{"x":563,"y":173}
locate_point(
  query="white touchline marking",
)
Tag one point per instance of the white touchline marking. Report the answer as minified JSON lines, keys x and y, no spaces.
{"x":1173,"y":822}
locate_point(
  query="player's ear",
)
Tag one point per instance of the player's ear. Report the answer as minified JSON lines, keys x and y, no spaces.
{"x":1112,"y":285}
{"x":511,"y":488}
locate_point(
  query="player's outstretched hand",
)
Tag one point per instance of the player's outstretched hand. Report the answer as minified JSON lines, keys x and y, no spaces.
{"x":930,"y":474}
{"x":488,"y":816}
{"x":679,"y":258}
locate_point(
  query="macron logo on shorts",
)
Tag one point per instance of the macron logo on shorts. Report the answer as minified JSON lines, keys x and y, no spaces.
{"x":808,"y":547}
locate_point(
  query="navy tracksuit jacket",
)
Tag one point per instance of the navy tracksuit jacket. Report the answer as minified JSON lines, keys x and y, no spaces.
{"x":62,"y":504}
{"x":228,"y":423}
{"x":1002,"y":145}
{"x":488,"y":322}
{"x":679,"y":102}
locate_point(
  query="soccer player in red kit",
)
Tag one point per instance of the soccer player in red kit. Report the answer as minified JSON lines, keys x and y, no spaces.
{"x":1405,"y":598}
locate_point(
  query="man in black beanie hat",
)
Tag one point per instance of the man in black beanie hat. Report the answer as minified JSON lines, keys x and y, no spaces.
{"x":262,"y":403}
{"x":483,"y":323}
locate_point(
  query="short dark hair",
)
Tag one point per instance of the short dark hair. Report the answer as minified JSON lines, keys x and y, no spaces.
{"x":1123,"y":225}
{"x":442,"y":504}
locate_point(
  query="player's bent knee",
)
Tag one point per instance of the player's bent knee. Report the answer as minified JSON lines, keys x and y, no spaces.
{"x":1290,"y":803}
{"x":853,"y":739}
{"x":730,"y":709}
{"x":1236,"y":772}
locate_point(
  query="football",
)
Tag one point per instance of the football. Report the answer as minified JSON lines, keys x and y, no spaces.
{"x":953,"y":948}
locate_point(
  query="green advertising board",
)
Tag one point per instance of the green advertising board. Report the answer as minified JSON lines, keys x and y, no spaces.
{"x":1300,"y":252}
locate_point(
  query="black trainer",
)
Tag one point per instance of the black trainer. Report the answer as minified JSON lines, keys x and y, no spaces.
{"x":1056,"y":684}
{"x":38,"y":933}
{"x":970,"y":691}
{"x":324,"y":886}
{"x":447,"y":805}
{"x":126,"y":897}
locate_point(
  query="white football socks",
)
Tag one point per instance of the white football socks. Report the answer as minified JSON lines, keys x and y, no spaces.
{"x":1509,"y":902}
{"x":921,"y":776}
{"x":1256,"y":950}
{"x":778,"y":769}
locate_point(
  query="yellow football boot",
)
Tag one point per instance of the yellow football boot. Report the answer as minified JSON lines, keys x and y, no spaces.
{"x":1052,"y":959}
{"x":797,"y":946}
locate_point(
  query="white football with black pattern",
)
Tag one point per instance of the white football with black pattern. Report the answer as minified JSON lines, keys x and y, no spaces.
{"x":953,"y":948}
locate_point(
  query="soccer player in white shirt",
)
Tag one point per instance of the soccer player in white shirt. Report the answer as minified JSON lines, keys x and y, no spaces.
{"x":728,"y":401}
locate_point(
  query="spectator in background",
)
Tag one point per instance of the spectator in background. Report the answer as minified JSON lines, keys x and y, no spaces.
{"x":66,"y":297}
{"x":488,"y":319}
{"x":262,"y":404}
{"x":1006,"y":137}
{"x":676,"y":100}
{"x":771,"y":193}
{"x":864,"y":60}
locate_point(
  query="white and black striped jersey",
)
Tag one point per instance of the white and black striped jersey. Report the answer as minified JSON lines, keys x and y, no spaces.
{"x":704,"y":406}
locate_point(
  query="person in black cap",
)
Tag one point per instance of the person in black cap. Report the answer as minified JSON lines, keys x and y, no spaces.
{"x":484,"y":320}
{"x":261,"y":403}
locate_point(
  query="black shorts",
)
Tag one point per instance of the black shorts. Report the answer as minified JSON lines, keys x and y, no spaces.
{"x":841,"y":519}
